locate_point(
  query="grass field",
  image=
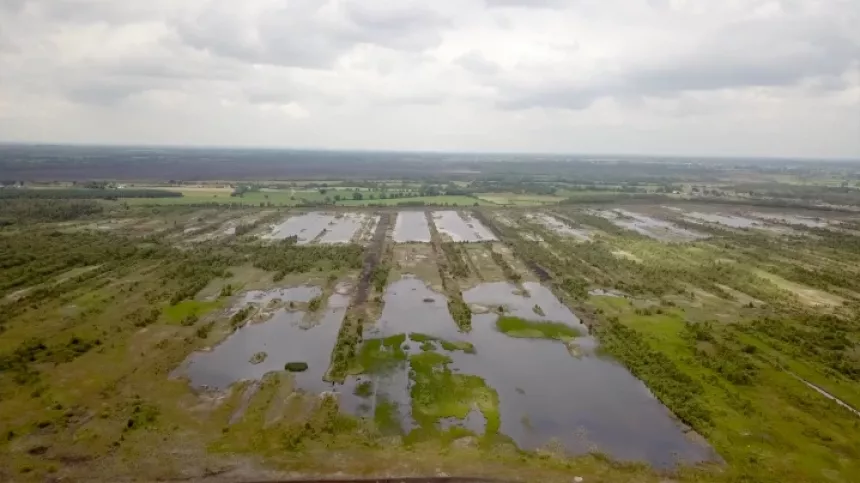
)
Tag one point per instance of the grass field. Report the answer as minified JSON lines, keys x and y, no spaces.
{"x":192,"y":196}
{"x":429,"y":200}
{"x":293,"y":197}
{"x":519,"y":199}
{"x":95,"y":321}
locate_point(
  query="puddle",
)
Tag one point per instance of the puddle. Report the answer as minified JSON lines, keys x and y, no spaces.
{"x":786,"y":219}
{"x":474,"y":422}
{"x":461,"y":228}
{"x":648,"y":226}
{"x":559,"y":226}
{"x":281,"y":337}
{"x":586,"y":402}
{"x":731,"y":221}
{"x":411,"y":226}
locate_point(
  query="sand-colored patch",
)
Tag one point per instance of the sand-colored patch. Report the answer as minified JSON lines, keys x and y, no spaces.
{"x":627,"y":255}
{"x":806,"y":294}
{"x":741,"y":297}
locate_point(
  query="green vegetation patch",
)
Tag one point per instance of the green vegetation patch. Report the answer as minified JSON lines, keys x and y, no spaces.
{"x":438,"y":393}
{"x":379,"y":355}
{"x":258,"y":358}
{"x":387,"y":417}
{"x":364,"y":389}
{"x":426,"y":342}
{"x":443,"y":200}
{"x":526,"y":329}
{"x":189,"y":309}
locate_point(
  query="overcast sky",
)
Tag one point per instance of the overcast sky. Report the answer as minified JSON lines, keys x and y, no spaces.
{"x":710,"y":77}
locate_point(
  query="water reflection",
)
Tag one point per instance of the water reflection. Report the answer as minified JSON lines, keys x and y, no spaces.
{"x":461,"y":228}
{"x":285,"y":337}
{"x":583,"y":401}
{"x":559,"y":226}
{"x":411,"y":226}
{"x":305,"y":227}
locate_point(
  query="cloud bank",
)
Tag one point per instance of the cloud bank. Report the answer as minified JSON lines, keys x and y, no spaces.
{"x":738,"y":77}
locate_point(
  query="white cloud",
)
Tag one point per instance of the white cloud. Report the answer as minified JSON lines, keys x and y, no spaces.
{"x":746,"y":77}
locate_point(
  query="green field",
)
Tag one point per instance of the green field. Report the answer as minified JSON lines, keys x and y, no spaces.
{"x":428,"y":200}
{"x":103,"y":301}
{"x":515,"y":199}
{"x":222,"y":196}
{"x":192,"y":196}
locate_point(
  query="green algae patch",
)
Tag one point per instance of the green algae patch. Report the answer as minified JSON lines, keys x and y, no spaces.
{"x":296,"y":366}
{"x":438,"y":393}
{"x":427,"y":343}
{"x":380,"y":355}
{"x":526,"y":329}
{"x":187,"y":309}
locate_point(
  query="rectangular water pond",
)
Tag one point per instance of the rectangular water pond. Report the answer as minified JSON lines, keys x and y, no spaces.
{"x":461,"y":227}
{"x":344,"y":227}
{"x":534,"y":391}
{"x":306,"y":227}
{"x":411,"y":226}
{"x":325,"y":228}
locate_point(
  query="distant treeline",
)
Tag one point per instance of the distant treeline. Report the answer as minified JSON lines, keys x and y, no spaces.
{"x":14,"y":211}
{"x":84,"y":194}
{"x":616,"y":196}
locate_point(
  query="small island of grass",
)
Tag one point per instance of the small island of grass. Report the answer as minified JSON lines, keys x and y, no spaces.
{"x":517,"y":327}
{"x":296,"y":366}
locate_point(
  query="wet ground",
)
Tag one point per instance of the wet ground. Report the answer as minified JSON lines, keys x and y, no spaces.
{"x":461,"y":227}
{"x":321,"y":227}
{"x":559,"y":226}
{"x":411,"y":226}
{"x":651,"y":227}
{"x":787,"y":219}
{"x":547,"y":389}
{"x":732,"y":221}
{"x":343,"y":228}
{"x":306,"y":227}
{"x":287,"y":336}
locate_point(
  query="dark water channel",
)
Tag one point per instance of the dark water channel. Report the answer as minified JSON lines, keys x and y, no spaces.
{"x":586,"y":402}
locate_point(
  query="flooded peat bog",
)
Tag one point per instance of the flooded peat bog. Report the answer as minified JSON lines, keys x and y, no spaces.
{"x":651,"y":227}
{"x":284,"y":337}
{"x":732,"y":221}
{"x":344,"y":227}
{"x":787,"y":219}
{"x":556,"y":225}
{"x":306,"y":227}
{"x":411,"y":226}
{"x":547,"y":390}
{"x":461,"y":227}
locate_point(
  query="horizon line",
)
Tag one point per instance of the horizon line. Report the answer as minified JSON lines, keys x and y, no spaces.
{"x":431,"y":151}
